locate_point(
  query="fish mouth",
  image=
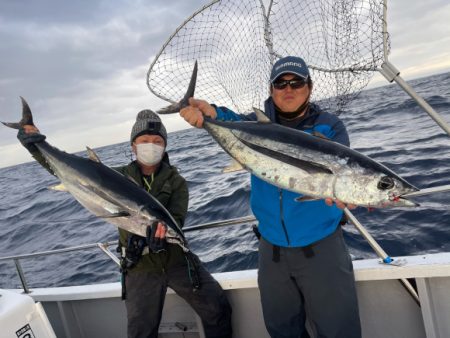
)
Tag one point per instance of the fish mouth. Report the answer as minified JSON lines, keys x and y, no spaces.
{"x":407,"y":202}
{"x":403,"y":199}
{"x":402,"y":196}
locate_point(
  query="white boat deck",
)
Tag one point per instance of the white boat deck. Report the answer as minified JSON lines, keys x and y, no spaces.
{"x":386,"y":308}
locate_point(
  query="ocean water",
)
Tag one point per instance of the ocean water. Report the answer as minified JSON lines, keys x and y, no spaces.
{"x":383,"y":123}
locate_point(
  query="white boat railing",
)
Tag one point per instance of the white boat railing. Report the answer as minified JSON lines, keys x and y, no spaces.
{"x":105,"y":247}
{"x":102,"y":246}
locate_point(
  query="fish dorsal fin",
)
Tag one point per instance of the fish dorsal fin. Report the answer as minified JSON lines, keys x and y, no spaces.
{"x":260,"y":116}
{"x":233,"y":167}
{"x":92,"y":155}
{"x":305,"y":164}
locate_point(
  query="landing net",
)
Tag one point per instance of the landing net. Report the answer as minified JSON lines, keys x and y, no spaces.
{"x":236,"y":43}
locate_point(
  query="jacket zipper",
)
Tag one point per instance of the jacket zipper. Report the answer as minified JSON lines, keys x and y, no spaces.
{"x":282,"y":218}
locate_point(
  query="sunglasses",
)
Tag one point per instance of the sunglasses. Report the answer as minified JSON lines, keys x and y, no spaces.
{"x":294,"y":84}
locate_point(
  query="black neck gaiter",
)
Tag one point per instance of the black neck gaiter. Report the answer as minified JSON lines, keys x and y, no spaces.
{"x":294,"y":114}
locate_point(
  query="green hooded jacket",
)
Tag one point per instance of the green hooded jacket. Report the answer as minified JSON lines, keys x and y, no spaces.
{"x":169,"y":188}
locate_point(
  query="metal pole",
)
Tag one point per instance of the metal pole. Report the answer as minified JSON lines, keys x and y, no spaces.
{"x":105,"y":248}
{"x":218,"y":224}
{"x":385,"y":31}
{"x":421,"y":102}
{"x":52,"y":252}
{"x":393,"y":74}
{"x":21,"y":276}
{"x":427,"y":191}
{"x":380,"y":252}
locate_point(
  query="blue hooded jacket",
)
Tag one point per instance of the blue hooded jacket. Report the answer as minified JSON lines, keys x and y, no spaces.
{"x":282,"y":220}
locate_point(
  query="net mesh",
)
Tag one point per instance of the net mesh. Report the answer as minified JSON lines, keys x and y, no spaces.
{"x":236,"y":43}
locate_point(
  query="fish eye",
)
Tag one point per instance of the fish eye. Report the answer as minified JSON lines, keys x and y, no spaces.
{"x":385,"y":183}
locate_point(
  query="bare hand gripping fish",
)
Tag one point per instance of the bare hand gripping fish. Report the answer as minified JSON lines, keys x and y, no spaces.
{"x":314,"y":167}
{"x":105,"y":192}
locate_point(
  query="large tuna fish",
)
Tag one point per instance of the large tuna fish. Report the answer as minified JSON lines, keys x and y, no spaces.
{"x":314,"y":167}
{"x":104,"y":191}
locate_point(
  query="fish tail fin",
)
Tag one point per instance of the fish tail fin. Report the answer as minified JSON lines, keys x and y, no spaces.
{"x":27,"y":117}
{"x":184,"y":102}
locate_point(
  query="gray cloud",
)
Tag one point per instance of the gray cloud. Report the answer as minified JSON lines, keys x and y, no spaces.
{"x":82,"y":64}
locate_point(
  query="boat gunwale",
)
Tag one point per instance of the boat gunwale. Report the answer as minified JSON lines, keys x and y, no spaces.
{"x":420,"y":266}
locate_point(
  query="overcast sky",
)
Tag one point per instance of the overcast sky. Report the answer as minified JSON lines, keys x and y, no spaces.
{"x":82,"y":65}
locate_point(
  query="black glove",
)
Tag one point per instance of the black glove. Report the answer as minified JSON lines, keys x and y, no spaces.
{"x":155,"y":244}
{"x":28,"y":140}
{"x":133,"y":251}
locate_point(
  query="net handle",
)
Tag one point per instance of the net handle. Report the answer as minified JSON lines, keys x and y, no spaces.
{"x":385,"y":31}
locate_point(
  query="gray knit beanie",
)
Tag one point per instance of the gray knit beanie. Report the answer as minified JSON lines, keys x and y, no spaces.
{"x":148,"y":122}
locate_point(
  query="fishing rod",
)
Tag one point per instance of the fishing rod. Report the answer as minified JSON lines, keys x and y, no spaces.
{"x":427,"y":191}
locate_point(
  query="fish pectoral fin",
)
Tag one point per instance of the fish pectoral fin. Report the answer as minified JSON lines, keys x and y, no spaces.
{"x":307,"y":165}
{"x":233,"y":167}
{"x":58,"y":187}
{"x":305,"y":198}
{"x":310,"y":167}
{"x":116,"y":214}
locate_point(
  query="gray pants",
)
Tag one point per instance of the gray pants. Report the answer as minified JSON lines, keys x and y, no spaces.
{"x":319,"y":289}
{"x":146,"y":292}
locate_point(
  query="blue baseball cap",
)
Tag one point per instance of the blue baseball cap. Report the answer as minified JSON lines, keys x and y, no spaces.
{"x":289,"y":65}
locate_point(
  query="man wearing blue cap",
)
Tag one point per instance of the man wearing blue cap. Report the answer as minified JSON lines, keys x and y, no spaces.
{"x":305,"y":271}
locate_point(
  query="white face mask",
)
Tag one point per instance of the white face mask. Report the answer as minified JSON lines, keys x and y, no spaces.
{"x":149,"y":153}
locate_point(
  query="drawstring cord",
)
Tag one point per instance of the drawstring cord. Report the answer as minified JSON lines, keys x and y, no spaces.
{"x":149,"y":185}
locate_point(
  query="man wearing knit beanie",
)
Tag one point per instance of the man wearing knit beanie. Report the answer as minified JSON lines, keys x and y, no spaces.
{"x":151,"y":265}
{"x":148,"y":122}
